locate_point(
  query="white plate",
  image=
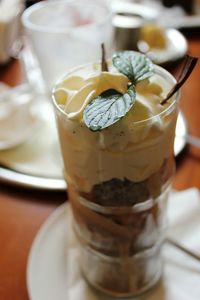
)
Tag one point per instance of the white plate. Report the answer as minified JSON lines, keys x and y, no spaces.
{"x":49,"y":265}
{"x":46,"y":271}
{"x":176,"y":48}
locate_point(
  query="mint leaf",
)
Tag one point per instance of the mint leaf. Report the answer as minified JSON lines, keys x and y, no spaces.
{"x":111,"y":106}
{"x":108,"y":108}
{"x":134,"y":65}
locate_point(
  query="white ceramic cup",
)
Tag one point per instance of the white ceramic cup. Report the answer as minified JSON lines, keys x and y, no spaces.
{"x":64,"y":34}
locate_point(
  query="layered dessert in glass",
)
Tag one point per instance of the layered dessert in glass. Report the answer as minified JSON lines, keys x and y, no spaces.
{"x":117,"y":145}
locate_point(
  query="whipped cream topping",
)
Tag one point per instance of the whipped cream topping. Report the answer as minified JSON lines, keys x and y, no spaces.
{"x":132,"y":148}
{"x":76,"y":92}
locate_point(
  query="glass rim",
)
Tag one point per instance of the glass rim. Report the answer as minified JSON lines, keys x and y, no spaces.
{"x":123,"y":209}
{"x":27,"y":23}
{"x":160,"y":70}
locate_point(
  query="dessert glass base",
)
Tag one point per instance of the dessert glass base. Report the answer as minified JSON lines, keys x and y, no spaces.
{"x":113,"y":272}
{"x":120,"y":247}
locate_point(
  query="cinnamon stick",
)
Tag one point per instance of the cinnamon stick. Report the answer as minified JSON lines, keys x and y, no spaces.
{"x":104,"y":66}
{"x":186,"y":70}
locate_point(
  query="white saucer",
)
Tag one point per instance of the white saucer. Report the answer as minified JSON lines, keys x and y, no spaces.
{"x":53,"y":258}
{"x":46,"y":273}
{"x":175,"y":49}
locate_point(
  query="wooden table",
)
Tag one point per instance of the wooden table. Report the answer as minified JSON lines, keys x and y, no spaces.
{"x":23,"y":211}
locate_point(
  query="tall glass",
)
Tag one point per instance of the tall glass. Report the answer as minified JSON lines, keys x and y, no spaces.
{"x":118,"y":183}
{"x":66,"y":33}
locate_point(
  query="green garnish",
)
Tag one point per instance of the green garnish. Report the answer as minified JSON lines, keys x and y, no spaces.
{"x":135,"y":66}
{"x":109,"y":107}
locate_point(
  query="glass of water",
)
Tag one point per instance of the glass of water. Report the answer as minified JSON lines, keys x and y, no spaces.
{"x":63,"y":34}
